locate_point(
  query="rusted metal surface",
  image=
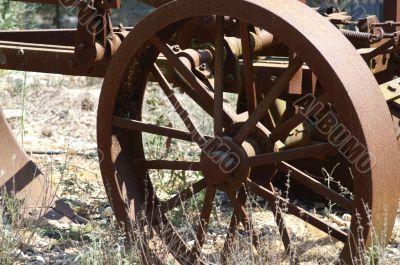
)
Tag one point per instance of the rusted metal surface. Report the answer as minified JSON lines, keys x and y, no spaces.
{"x":85,"y":51}
{"x":378,"y":188}
{"x":54,"y":59}
{"x":61,"y":37}
{"x":156,"y":3}
{"x":268,"y":52}
{"x":22,"y":49}
{"x":21,"y":177}
{"x":75,"y":3}
{"x":391,"y":10}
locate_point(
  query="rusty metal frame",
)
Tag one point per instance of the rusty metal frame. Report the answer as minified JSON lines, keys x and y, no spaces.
{"x":391,"y":10}
{"x":62,"y":37}
{"x":86,"y":52}
{"x":54,"y":59}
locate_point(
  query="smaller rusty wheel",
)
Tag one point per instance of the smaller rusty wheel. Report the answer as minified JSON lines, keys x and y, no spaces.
{"x":178,"y":162}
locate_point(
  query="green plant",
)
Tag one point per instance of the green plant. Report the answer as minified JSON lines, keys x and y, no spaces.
{"x":108,"y":247}
{"x":10,"y":222}
{"x":16,"y":15}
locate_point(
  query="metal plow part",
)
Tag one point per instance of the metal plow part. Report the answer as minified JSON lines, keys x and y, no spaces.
{"x":21,"y":177}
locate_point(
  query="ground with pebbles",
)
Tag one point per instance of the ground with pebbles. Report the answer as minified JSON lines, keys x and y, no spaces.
{"x":54,"y":117}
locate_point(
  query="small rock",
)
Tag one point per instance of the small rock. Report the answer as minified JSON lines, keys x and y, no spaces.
{"x":63,"y":262}
{"x":3,"y":59}
{"x":319,"y":205}
{"x":63,"y":114}
{"x":38,"y":260}
{"x":5,"y":98}
{"x":52,"y":234}
{"x":19,"y":254}
{"x":12,"y":114}
{"x":55,"y":248}
{"x":47,"y":132}
{"x":87,"y":104}
{"x":87,"y":238}
{"x":337,"y":220}
{"x":107,"y":213}
{"x":30,"y":252}
{"x":58,"y":225}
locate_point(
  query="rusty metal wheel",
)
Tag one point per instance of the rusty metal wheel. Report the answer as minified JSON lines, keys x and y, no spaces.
{"x":175,"y":200}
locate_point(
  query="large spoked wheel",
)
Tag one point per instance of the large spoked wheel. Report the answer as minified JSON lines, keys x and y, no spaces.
{"x":184,"y":168}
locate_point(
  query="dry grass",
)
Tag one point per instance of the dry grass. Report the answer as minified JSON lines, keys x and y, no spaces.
{"x":101,"y":241}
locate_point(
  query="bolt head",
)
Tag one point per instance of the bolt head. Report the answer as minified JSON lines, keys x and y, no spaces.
{"x":229,"y":78}
{"x":20,"y":52}
{"x":176,"y":48}
{"x":71,"y":64}
{"x":81,"y":46}
{"x":203,"y":66}
{"x":392,"y":88}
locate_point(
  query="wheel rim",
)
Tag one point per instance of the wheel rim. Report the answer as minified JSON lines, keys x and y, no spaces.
{"x":320,"y":54}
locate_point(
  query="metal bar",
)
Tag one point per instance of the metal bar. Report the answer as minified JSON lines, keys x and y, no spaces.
{"x":36,"y":45}
{"x":183,"y":196}
{"x":391,"y":10}
{"x":277,"y":89}
{"x":248,"y":74}
{"x":63,"y":37}
{"x":297,"y":211}
{"x":140,"y":126}
{"x":316,"y":186}
{"x":313,"y":151}
{"x":53,"y":2}
{"x":75,"y":3}
{"x":59,"y":57}
{"x":45,"y":59}
{"x":219,"y":76}
{"x":156,"y":3}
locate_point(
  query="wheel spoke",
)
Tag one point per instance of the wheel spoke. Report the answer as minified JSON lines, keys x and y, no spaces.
{"x":295,"y":84}
{"x":230,"y":238}
{"x":280,"y":221}
{"x":149,"y":255}
{"x":140,"y":126}
{"x":249,"y":83}
{"x":297,"y":211}
{"x":175,"y":243}
{"x":172,"y":165}
{"x":301,"y":113}
{"x":166,"y":87}
{"x":316,"y":186}
{"x":219,"y":77}
{"x":184,"y":195}
{"x":204,"y":219}
{"x":240,"y":213}
{"x":196,"y":85}
{"x":284,"y":129}
{"x":312,"y":151}
{"x":276,"y":90}
{"x":232,"y":229}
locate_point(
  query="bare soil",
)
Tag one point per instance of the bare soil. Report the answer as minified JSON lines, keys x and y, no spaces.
{"x":54,"y":118}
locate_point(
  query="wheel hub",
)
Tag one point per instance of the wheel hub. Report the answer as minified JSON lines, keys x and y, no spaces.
{"x":224,"y":163}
